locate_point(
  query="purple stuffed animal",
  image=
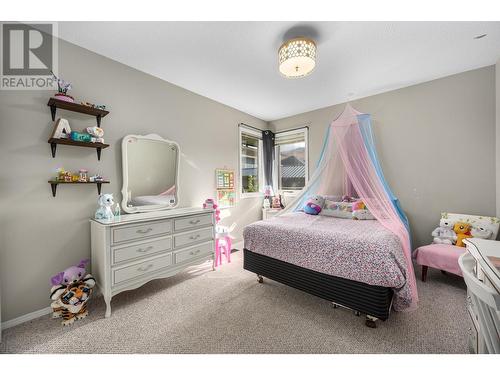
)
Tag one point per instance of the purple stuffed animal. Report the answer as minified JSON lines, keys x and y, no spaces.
{"x":70,"y":275}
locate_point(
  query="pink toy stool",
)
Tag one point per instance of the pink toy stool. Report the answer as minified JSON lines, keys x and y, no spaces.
{"x":222,"y":244}
{"x":440,"y":256}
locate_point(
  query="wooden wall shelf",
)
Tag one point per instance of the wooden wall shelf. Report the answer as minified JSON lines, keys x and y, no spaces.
{"x":69,"y":142}
{"x":75,"y":107}
{"x":53,"y":185}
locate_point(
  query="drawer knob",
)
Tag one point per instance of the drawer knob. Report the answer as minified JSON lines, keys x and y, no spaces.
{"x":194,"y":252}
{"x":193,"y":222}
{"x":144,"y":231}
{"x":144,"y":269}
{"x":141,"y":250}
{"x":195,"y":237}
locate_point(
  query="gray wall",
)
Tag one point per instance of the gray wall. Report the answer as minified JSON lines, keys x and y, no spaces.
{"x":41,"y":235}
{"x":436,"y":142}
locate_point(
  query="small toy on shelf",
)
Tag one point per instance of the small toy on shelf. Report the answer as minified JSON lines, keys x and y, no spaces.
{"x":444,"y":233}
{"x":83,"y":175}
{"x":105,"y":203}
{"x":63,"y":87}
{"x":96,"y":178}
{"x":96,"y":133}
{"x":96,"y":106}
{"x":463,"y":231}
{"x":70,"y":292}
{"x":80,"y":137}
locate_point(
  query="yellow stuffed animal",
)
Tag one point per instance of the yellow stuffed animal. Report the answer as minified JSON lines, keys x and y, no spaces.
{"x":463,"y":231}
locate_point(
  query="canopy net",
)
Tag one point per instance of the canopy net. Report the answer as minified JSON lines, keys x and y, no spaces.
{"x":348,"y":165}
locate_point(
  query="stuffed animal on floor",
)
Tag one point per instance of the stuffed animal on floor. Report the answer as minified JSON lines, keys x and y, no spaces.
{"x":480,"y":232}
{"x":105,"y":203}
{"x":463,"y":231}
{"x":314,"y":205}
{"x":70,"y":302}
{"x":444,"y":233}
{"x":70,"y":275}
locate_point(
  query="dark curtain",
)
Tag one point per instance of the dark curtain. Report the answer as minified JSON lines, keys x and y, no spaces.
{"x":268,"y":152}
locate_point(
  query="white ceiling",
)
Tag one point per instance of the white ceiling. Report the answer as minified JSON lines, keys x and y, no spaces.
{"x":235,"y":63}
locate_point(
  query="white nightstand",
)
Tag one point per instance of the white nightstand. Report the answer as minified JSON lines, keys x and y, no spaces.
{"x":270,"y":212}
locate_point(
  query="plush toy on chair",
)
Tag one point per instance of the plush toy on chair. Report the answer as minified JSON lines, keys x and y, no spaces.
{"x":314,"y":205}
{"x":463,"y":231}
{"x":444,"y":233}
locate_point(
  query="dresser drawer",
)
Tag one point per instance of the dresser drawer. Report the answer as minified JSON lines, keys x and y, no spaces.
{"x":140,"y":269}
{"x":124,"y":253}
{"x":192,"y":222}
{"x":194,"y":252}
{"x":193,"y":237}
{"x":137,"y":232}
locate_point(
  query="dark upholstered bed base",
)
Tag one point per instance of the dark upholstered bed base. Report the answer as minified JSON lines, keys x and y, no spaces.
{"x":367,"y":299}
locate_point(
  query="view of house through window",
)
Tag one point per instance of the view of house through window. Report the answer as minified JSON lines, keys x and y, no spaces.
{"x":291,"y":158}
{"x":250,"y":162}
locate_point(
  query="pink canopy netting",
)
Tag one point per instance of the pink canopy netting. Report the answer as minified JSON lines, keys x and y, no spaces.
{"x":347,"y":168}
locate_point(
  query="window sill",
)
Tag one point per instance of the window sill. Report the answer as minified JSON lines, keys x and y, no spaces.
{"x":251,"y":195}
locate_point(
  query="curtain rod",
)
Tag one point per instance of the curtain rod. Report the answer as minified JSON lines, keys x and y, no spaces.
{"x":250,"y":126}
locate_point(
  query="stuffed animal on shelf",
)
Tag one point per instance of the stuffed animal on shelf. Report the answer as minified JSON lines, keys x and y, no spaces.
{"x":70,"y":292}
{"x":444,"y":233}
{"x":104,"y":211}
{"x":70,"y":301}
{"x":463,"y":231}
{"x":314,"y":205}
{"x":480,"y":232}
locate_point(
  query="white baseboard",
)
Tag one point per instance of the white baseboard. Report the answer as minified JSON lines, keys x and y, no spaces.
{"x":26,"y":318}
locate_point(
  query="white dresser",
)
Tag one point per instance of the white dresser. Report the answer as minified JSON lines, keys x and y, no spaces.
{"x":133,"y":249}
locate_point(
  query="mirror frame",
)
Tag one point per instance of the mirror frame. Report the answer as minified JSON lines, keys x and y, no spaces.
{"x":149,"y":208}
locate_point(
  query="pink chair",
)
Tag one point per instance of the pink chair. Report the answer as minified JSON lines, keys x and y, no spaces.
{"x":440,"y":256}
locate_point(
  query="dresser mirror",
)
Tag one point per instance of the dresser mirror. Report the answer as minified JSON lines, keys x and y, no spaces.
{"x":150,"y":173}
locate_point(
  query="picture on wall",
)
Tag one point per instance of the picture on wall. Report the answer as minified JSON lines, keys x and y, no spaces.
{"x":226,"y":197}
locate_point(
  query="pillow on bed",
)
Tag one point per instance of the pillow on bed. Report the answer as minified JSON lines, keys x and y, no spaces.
{"x":341,"y":210}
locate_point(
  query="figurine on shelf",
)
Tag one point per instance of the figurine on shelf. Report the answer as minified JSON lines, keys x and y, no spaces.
{"x":96,"y":133}
{"x":102,"y":107}
{"x":83,"y":175}
{"x":63,"y":175}
{"x":96,"y":178}
{"x":80,"y":137}
{"x":63,"y":87}
{"x":61,"y":129}
{"x":105,"y":203}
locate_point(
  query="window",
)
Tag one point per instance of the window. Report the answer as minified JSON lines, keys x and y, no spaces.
{"x":250,"y":161}
{"x":291,"y":159}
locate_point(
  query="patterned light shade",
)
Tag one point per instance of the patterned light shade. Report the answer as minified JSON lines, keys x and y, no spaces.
{"x":297,"y":57}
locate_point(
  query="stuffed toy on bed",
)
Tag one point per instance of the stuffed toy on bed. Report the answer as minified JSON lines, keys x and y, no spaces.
{"x":463,"y":231}
{"x":314,"y":205}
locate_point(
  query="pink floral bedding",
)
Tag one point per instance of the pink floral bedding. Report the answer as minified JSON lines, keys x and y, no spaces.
{"x":361,"y":250}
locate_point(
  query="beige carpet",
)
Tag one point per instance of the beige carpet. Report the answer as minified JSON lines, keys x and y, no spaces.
{"x":227,"y":311}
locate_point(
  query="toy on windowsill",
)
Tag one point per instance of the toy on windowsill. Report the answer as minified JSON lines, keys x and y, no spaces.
{"x":70,"y":292}
{"x":62,"y":90}
{"x":276,"y":202}
{"x":105,"y":203}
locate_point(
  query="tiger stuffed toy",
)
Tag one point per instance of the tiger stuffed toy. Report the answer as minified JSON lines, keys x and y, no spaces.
{"x":70,"y":301}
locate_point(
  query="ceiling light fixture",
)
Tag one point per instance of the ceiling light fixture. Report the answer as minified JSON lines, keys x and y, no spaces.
{"x":297,"y":57}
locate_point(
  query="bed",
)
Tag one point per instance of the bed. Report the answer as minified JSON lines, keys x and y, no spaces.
{"x":354,"y":263}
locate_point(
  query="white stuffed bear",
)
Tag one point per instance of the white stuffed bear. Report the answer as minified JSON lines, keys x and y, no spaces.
{"x":480,"y":232}
{"x":105,"y":203}
{"x":444,"y":233}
